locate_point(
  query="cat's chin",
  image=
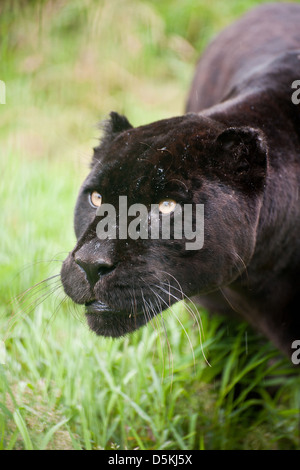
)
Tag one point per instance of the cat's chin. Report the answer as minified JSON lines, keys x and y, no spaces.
{"x":105,"y":321}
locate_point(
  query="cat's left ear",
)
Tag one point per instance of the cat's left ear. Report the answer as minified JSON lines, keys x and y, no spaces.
{"x":242,"y":153}
{"x":246,"y":146}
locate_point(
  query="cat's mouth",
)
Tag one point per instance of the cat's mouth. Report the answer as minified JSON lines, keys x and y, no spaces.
{"x":106,"y":321}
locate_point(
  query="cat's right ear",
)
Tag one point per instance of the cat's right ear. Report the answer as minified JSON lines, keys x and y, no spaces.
{"x":110,"y":128}
{"x":117,"y":123}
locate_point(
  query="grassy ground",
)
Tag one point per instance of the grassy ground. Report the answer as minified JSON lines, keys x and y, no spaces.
{"x":66,"y":65}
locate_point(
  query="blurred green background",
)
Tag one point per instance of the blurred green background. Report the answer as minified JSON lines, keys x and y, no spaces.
{"x":66,"y":64}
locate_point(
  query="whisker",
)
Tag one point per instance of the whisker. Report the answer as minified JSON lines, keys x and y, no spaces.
{"x":53,"y":314}
{"x":180,"y":182}
{"x":22,"y":294}
{"x":156,"y":319}
{"x":184,"y":296}
{"x":170,"y":353}
{"x":158,"y":332}
{"x":148,"y":315}
{"x":23,"y":312}
{"x":243,"y":265}
{"x":145,"y":310}
{"x":75,"y":311}
{"x":229,"y":303}
{"x":199,"y":326}
{"x":133,"y":299}
{"x":161,"y":348}
{"x":52,"y":317}
{"x":41,"y":296}
{"x":35,"y":263}
{"x":195,"y":314}
{"x":182,"y":326}
{"x":35,"y":291}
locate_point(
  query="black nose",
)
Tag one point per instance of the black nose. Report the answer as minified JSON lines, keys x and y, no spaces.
{"x":94,"y":270}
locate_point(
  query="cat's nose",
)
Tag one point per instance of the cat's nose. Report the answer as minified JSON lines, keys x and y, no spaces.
{"x":94,"y":270}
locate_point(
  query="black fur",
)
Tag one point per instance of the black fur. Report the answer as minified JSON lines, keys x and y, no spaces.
{"x":237,"y":151}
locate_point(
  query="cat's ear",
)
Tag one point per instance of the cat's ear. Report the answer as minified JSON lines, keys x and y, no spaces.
{"x":110,"y":128}
{"x":117,"y":123}
{"x":245,"y":146}
{"x":244,"y":151}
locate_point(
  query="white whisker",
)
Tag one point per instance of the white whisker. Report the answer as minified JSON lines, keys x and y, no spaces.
{"x":190,"y":310}
{"x":186,"y":333}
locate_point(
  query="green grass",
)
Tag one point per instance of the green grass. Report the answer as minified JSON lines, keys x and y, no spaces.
{"x":66,"y":65}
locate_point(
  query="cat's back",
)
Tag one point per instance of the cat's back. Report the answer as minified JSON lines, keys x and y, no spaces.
{"x":259,"y":36}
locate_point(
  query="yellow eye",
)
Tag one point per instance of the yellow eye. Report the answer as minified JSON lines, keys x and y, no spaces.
{"x":167,"y":206}
{"x":95,"y":199}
